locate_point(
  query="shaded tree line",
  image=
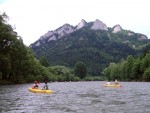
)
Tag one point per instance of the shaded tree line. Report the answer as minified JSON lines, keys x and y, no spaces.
{"x":17,"y":62}
{"x":78,"y":73}
{"x":131,"y":69}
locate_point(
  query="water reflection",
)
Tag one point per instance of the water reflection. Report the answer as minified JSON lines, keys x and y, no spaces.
{"x":77,"y":97}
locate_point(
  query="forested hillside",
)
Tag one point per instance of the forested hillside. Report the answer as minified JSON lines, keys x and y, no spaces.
{"x":96,"y":48}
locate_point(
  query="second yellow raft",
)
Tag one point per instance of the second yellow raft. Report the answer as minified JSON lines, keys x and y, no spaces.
{"x":112,"y":85}
{"x":40,"y":91}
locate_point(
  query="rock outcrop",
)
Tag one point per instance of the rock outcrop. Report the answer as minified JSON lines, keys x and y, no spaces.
{"x":99,"y":25}
{"x":142,"y":37}
{"x":66,"y":29}
{"x":117,"y":28}
{"x":81,"y":24}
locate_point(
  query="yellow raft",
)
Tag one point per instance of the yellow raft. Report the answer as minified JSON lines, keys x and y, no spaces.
{"x":40,"y":91}
{"x":112,"y":85}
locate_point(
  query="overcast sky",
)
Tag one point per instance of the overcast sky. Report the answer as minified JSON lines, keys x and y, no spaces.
{"x":33,"y":18}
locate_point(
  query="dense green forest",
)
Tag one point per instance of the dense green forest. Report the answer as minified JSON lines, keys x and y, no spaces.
{"x":131,"y":69}
{"x":17,"y":62}
{"x":95,"y":48}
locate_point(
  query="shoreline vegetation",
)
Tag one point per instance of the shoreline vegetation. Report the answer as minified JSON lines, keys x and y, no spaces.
{"x":7,"y":82}
{"x":4,"y":82}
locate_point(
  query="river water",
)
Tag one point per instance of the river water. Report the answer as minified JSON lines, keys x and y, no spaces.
{"x":77,"y":97}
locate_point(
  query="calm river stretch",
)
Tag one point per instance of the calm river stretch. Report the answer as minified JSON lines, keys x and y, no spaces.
{"x":77,"y":97}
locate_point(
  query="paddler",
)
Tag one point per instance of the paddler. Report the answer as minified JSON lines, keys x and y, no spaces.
{"x":35,"y":86}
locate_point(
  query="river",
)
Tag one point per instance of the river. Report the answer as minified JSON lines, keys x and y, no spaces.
{"x":77,"y":97}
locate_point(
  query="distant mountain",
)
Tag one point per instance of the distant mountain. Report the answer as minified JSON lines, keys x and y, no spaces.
{"x":91,"y":42}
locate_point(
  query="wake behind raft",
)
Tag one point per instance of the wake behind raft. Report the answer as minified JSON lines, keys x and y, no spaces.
{"x":34,"y":90}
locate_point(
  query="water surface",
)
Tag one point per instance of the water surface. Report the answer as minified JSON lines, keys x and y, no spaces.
{"x":77,"y":97}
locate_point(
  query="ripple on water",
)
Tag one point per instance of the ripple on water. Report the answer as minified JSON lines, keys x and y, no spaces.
{"x":77,"y":97}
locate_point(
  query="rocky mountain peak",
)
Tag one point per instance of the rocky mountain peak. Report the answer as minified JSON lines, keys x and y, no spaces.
{"x":117,"y":28}
{"x":66,"y":28}
{"x":99,"y":25}
{"x":81,"y":24}
{"x":48,"y":34}
{"x":142,"y":37}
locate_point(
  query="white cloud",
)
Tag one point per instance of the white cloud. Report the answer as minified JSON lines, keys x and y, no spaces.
{"x":34,"y":18}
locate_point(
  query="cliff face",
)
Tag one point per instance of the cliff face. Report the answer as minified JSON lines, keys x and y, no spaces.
{"x":81,"y":24}
{"x":99,"y":25}
{"x":116,"y":29}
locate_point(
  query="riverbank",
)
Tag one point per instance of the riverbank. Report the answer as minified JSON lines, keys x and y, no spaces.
{"x":4,"y":82}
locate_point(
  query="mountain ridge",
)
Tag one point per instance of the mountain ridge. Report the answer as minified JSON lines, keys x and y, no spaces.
{"x":66,"y":29}
{"x":95,"y":47}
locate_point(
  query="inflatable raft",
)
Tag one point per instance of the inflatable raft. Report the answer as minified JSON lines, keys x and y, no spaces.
{"x":40,"y":91}
{"x":112,"y":85}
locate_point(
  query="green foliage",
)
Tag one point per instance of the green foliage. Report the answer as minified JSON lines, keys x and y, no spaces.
{"x":80,"y":70}
{"x":136,"y":70}
{"x":77,"y":79}
{"x":17,"y":62}
{"x":146,"y":76}
{"x":88,"y":78}
{"x":129,"y":64}
{"x":30,"y":78}
{"x":95,"y":78}
{"x":133,"y":69}
{"x":39,"y":78}
{"x":114,"y":72}
{"x":145,"y":62}
{"x":61,"y":73}
{"x":44,"y":61}
{"x":96,"y":48}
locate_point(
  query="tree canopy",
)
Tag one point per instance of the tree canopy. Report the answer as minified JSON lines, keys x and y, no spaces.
{"x":131,"y":69}
{"x":17,"y":62}
{"x":80,"y":70}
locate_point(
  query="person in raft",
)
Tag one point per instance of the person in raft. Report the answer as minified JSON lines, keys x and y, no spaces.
{"x":116,"y":82}
{"x":108,"y":83}
{"x":35,"y":86}
{"x":45,"y":87}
